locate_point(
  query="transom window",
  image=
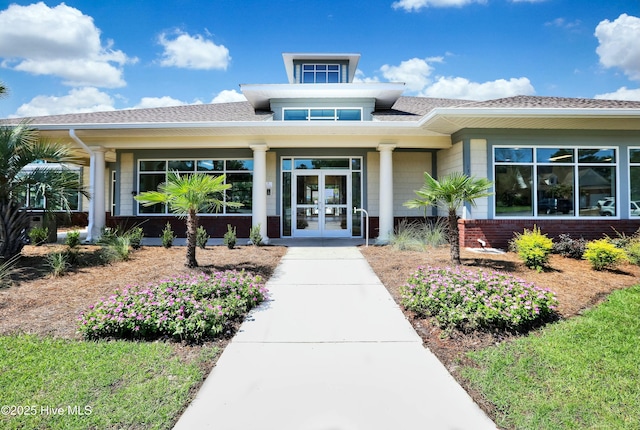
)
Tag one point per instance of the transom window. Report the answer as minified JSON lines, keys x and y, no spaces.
{"x":554,"y":181}
{"x":239,"y":173}
{"x":322,"y":114}
{"x":320,"y":73}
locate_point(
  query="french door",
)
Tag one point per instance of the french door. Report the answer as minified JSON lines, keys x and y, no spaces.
{"x":322,"y":204}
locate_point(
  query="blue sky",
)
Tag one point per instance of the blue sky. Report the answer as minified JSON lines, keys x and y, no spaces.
{"x":87,"y":55}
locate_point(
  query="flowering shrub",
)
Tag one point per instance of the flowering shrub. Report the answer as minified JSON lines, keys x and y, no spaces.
{"x":466,"y":299}
{"x":190,"y":307}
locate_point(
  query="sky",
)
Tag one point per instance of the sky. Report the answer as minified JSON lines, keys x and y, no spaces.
{"x":88,"y":55}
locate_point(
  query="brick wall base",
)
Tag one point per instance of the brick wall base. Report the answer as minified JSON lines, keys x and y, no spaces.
{"x":498,"y":233}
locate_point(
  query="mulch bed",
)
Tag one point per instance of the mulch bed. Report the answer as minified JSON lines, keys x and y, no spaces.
{"x":40,"y":304}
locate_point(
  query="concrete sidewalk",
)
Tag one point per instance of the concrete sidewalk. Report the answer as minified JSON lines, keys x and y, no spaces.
{"x":330,"y":350}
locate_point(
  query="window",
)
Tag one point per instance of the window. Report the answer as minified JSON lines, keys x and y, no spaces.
{"x":322,"y":114}
{"x":554,"y":181}
{"x":634,"y":180}
{"x":239,"y":173}
{"x":320,"y":73}
{"x":33,"y":197}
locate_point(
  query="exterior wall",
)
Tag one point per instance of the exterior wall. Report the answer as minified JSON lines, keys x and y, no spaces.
{"x":408,"y":176}
{"x":448,"y":161}
{"x":478,"y":167}
{"x":373,"y":184}
{"x":127,"y":183}
{"x":272,"y":172}
{"x":498,"y":233}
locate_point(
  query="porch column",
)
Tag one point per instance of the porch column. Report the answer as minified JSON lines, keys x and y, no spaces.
{"x":386,"y":192}
{"x":97,"y":211}
{"x":259,"y":196}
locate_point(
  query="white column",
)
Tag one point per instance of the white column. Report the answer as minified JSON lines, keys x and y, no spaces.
{"x":386,"y":192}
{"x":259,"y":197}
{"x":97,"y":216}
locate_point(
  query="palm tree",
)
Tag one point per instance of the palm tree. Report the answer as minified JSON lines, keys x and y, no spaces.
{"x":450,"y":193}
{"x":186,"y":196}
{"x":21,"y":146}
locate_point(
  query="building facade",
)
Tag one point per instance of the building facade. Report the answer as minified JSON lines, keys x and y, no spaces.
{"x":302,"y":155}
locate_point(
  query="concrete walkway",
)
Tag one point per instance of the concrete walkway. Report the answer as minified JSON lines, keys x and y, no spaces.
{"x":330,"y":350}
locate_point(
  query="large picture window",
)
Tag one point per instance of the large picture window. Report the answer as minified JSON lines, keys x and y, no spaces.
{"x":33,"y":197}
{"x":238,"y":173}
{"x":554,"y":181}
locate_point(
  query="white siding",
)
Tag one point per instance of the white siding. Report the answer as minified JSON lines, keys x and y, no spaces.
{"x":373,"y":183}
{"x":408,"y":176}
{"x":271,"y":177}
{"x":479,"y":170}
{"x":450,"y":160}
{"x":127,"y":184}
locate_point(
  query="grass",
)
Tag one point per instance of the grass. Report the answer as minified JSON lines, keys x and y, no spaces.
{"x":66,"y":384}
{"x":581,"y":373}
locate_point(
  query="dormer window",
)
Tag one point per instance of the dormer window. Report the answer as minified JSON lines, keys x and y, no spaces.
{"x":321,"y":74}
{"x":322,"y":114}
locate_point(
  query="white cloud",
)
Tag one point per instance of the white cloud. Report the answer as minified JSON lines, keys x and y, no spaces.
{"x":59,"y":41}
{"x":623,"y":93}
{"x":563,"y":23}
{"x":154,"y":102}
{"x":193,"y":52}
{"x":361,"y":78}
{"x":620,"y":44}
{"x":228,"y":96}
{"x":462,"y":88}
{"x":86,"y":99}
{"x":414,"y":73}
{"x":416,"y":5}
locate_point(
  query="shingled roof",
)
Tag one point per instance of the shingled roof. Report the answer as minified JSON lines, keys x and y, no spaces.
{"x":404,"y":109}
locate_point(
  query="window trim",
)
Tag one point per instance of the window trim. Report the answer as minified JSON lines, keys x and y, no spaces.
{"x":631,"y":164}
{"x":224,"y":171}
{"x":576,"y":165}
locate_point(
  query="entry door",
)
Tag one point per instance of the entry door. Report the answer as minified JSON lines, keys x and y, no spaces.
{"x":322,"y":202}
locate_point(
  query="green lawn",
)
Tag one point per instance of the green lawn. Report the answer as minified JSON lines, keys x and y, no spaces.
{"x":65,"y":384}
{"x":583,"y":373}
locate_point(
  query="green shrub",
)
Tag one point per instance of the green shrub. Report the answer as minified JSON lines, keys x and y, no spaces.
{"x":202,"y":237}
{"x":167,"y":236}
{"x":73,"y":239}
{"x":118,"y":249}
{"x":254,"y":235}
{"x":58,"y":262}
{"x":135,"y":235}
{"x":602,"y":254}
{"x":633,"y":252}
{"x":534,"y":248}
{"x":230,"y":237}
{"x":38,"y":235}
{"x":467,"y":299}
{"x":417,"y":236}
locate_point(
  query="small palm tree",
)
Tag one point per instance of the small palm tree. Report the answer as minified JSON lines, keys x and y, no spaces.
{"x":187,"y":196}
{"x":21,"y":146}
{"x":450,"y":193}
